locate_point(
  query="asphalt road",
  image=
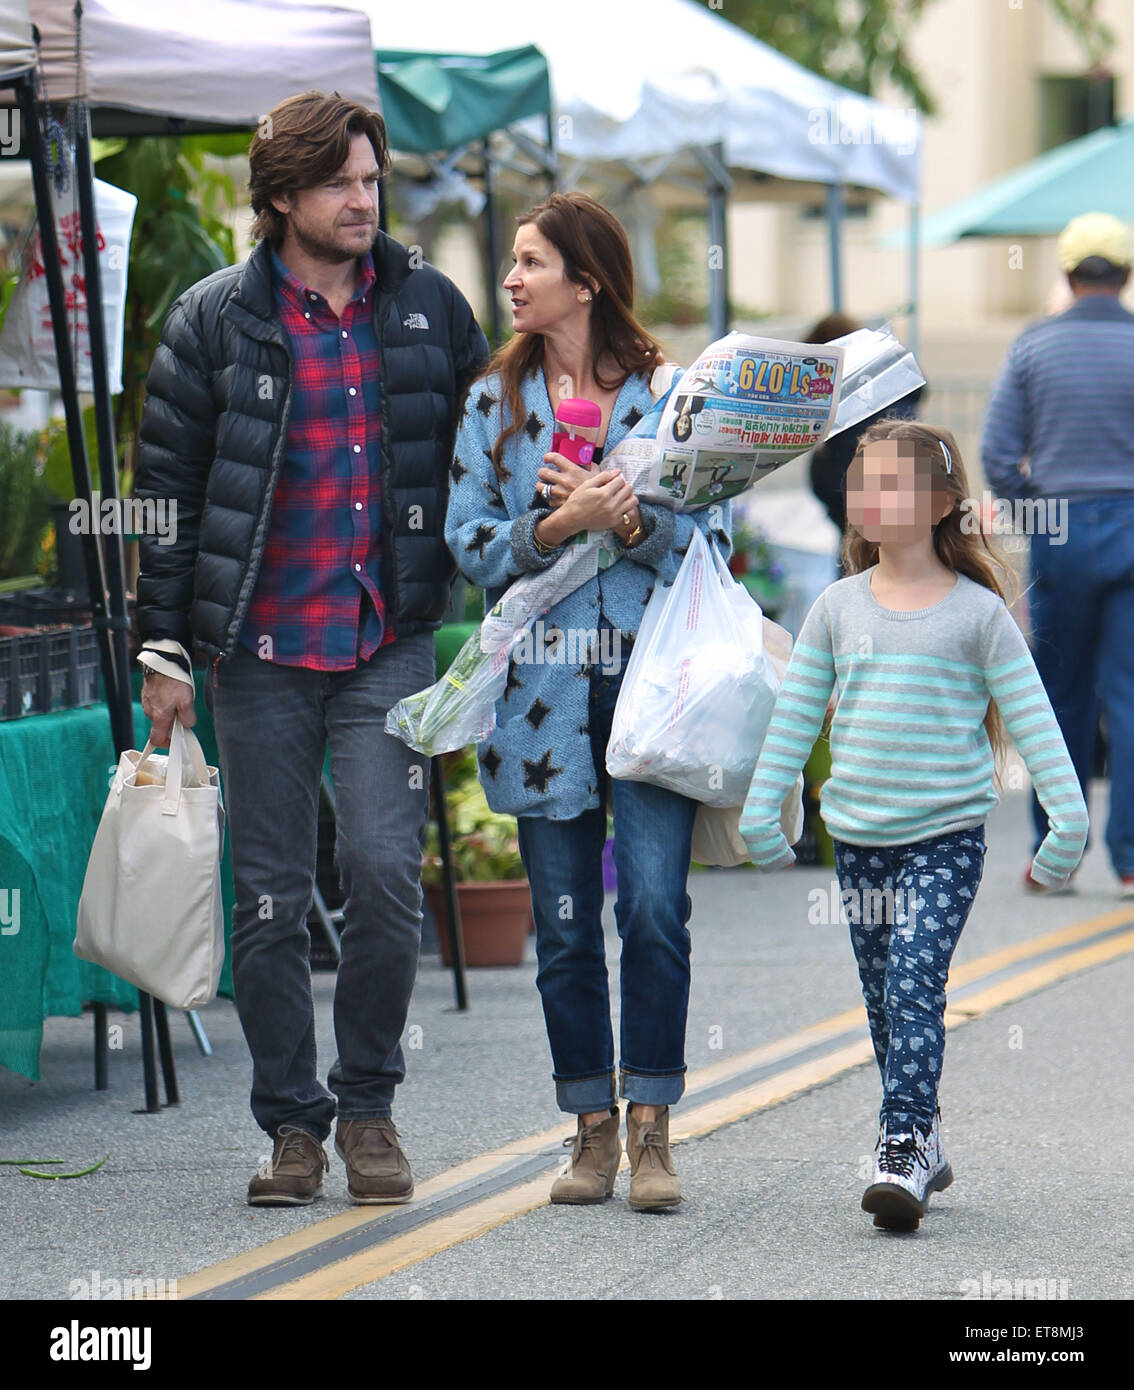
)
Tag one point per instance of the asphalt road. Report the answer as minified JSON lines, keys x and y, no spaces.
{"x":1035,"y":1096}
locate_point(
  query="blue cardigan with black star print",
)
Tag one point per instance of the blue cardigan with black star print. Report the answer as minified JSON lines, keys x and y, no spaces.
{"x":538,"y":761}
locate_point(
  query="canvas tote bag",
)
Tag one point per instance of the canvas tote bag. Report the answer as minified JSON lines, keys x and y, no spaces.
{"x":150,"y":909}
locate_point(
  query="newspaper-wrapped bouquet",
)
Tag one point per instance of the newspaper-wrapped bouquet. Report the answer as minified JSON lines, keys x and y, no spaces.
{"x":745,"y":407}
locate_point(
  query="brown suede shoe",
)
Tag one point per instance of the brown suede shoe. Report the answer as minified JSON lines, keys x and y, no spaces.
{"x":596,"y":1150}
{"x":653,"y":1178}
{"x":295,"y":1175}
{"x":378,"y":1172}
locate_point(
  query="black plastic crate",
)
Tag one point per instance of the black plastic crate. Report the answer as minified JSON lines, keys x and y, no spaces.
{"x":37,"y":607}
{"x":50,"y":670}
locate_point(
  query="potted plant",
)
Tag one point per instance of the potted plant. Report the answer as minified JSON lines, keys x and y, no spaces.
{"x":754,"y":562}
{"x":493,"y":896}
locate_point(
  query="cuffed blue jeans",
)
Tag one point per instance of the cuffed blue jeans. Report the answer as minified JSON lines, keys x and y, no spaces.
{"x":1081,"y":603}
{"x":653,"y":831}
{"x":273,"y":724}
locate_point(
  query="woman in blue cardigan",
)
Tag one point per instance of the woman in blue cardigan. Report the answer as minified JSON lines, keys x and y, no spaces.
{"x":514,"y":507}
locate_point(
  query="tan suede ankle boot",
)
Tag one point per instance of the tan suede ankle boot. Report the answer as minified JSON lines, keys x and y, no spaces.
{"x":596,"y":1151}
{"x":653,"y":1178}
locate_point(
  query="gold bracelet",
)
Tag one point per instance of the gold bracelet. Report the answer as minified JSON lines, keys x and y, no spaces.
{"x":632,"y":538}
{"x":539,"y":545}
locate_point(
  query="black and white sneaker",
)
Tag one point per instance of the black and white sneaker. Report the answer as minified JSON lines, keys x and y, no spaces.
{"x":898,"y":1196}
{"x":940,"y":1169}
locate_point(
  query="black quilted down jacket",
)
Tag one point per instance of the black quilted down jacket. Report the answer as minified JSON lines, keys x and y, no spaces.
{"x":214,"y":429}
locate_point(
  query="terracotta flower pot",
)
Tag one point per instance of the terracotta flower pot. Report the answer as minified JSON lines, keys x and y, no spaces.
{"x":494,"y":920}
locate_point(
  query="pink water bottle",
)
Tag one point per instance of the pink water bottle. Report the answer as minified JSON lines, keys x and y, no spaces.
{"x":577,"y":425}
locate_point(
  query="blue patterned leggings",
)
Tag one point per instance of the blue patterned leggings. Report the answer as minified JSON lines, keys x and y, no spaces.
{"x":906,"y":906}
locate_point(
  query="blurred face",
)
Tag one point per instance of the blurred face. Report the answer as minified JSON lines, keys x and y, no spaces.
{"x":892,"y":497}
{"x":338,"y":220}
{"x":542,"y":296}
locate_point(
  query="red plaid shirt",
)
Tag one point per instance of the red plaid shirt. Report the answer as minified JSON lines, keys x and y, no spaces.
{"x":318,"y":592}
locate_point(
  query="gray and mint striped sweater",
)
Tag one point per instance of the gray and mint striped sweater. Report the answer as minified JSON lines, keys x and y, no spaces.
{"x":910,"y":758}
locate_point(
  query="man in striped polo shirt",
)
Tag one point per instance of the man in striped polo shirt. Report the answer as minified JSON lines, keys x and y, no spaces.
{"x":1064,"y":402}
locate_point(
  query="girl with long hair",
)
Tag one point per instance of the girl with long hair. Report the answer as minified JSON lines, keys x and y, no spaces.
{"x":515,"y":508}
{"x":932,"y":674}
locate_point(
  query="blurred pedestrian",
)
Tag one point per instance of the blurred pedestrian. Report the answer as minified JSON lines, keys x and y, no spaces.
{"x":831,"y":459}
{"x":1064,"y":403}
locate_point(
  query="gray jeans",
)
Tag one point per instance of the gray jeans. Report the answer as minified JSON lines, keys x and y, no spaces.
{"x":273,"y":724}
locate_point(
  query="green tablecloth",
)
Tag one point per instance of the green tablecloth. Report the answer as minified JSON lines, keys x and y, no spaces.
{"x":55,"y":771}
{"x":54,"y":774}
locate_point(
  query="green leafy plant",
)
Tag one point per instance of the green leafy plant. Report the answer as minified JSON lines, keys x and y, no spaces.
{"x":755,"y":562}
{"x":182,"y":233}
{"x":485,"y":845}
{"x":24,"y":501}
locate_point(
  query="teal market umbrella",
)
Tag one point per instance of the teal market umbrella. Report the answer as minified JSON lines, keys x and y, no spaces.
{"x":1092,"y":174}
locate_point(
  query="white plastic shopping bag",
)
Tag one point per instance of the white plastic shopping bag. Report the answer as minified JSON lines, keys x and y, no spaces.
{"x":716,"y":829}
{"x":150,"y":909}
{"x":27,"y":342}
{"x":699,"y":687}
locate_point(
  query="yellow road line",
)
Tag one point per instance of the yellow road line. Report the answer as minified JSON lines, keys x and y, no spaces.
{"x":434,"y":1237}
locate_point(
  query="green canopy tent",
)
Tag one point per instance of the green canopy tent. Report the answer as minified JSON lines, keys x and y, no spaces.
{"x":441,"y":106}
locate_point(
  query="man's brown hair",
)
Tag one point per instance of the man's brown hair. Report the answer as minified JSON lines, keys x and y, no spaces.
{"x":302,"y":143}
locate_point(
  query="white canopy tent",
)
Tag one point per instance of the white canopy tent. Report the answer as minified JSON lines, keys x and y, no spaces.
{"x":667,"y":90}
{"x":148,"y":66}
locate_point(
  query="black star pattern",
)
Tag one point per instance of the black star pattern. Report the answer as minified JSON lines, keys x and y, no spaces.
{"x":490,"y":760}
{"x":537,"y":775}
{"x":504,"y":474}
{"x":485,"y":403}
{"x":632,"y":416}
{"x":649,"y":595}
{"x":514,"y":681}
{"x":457,"y":469}
{"x":495,"y":494}
{"x":584,"y":728}
{"x":532,"y":426}
{"x":721,"y":538}
{"x":537,"y":713}
{"x":481,"y":537}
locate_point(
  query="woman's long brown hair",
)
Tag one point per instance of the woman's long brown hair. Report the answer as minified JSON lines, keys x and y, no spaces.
{"x":594,"y":248}
{"x":964,"y":549}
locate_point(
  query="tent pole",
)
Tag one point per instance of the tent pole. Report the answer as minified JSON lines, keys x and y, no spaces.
{"x":493,"y":249}
{"x":112,"y":542}
{"x":68,"y":389}
{"x":104,"y":421}
{"x":835,"y":230}
{"x":552,"y":156}
{"x":720,"y":312}
{"x":914,"y":270}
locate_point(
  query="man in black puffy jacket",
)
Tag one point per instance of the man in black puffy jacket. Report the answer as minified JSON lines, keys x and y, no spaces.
{"x":299,"y":420}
